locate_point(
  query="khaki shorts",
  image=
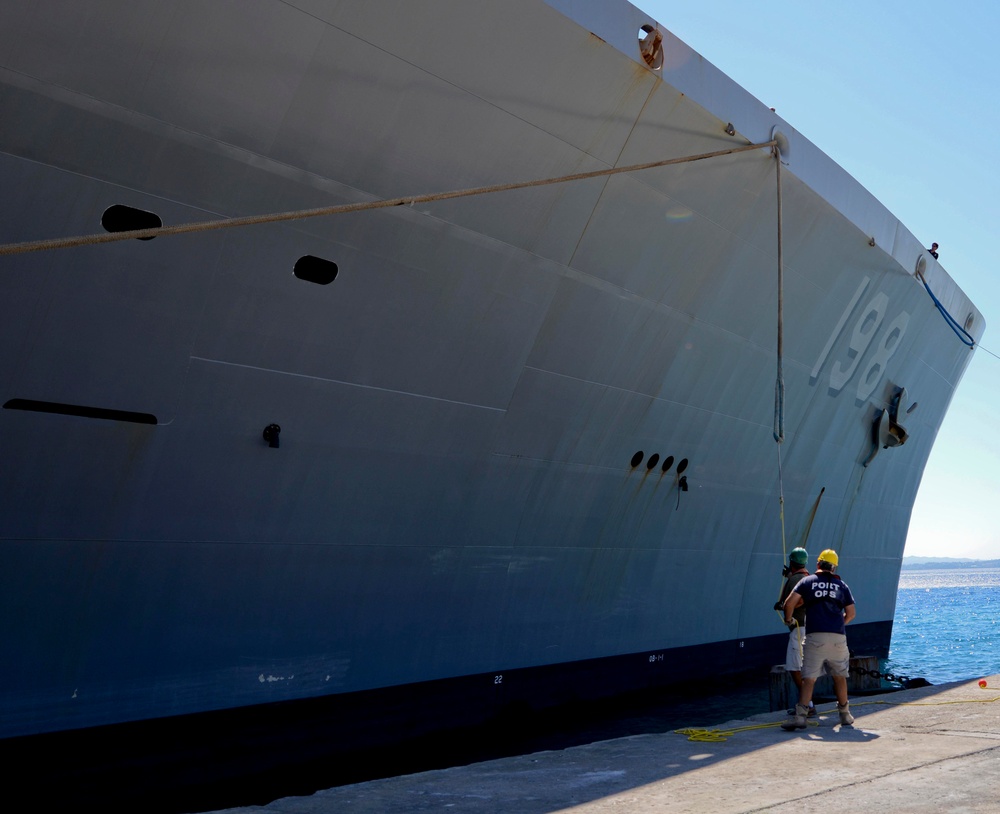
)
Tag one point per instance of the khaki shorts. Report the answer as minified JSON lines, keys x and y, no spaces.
{"x":825,"y":648}
{"x":793,"y":654}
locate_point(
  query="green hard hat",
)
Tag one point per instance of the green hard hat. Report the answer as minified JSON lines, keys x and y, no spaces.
{"x":799,"y":556}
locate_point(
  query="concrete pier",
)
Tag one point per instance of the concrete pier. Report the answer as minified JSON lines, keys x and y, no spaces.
{"x":934,"y":749}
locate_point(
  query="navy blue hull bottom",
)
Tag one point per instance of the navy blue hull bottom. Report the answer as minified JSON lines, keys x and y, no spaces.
{"x":254,"y":755}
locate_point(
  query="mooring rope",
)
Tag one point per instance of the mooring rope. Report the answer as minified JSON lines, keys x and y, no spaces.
{"x":781,"y":520}
{"x":300,"y":214}
{"x":779,"y":382}
{"x":960,"y":332}
{"x":698,"y":735}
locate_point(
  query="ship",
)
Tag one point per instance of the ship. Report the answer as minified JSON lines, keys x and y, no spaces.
{"x":510,"y":350}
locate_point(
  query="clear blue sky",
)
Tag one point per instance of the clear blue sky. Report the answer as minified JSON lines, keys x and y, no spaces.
{"x":906,"y":97}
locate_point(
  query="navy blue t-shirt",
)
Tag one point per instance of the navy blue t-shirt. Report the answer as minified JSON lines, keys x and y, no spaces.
{"x":825,"y":596}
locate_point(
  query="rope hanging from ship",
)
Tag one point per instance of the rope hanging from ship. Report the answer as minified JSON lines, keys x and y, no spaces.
{"x":301,"y":214}
{"x":952,"y":323}
{"x":779,"y":382}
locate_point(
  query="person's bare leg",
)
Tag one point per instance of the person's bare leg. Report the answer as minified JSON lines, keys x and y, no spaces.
{"x":801,"y":708}
{"x":806,"y":693}
{"x":840,"y":688}
{"x":843,"y":707}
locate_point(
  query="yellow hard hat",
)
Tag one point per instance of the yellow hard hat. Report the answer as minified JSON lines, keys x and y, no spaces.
{"x":829,"y":556}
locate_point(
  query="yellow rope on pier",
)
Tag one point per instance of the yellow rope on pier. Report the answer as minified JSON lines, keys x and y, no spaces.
{"x":854,"y":705}
{"x":719,"y":735}
{"x":300,"y":214}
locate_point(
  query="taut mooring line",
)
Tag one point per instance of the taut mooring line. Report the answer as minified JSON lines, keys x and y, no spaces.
{"x":300,"y":214}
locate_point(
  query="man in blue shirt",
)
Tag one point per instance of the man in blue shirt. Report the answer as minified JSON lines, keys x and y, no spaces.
{"x":829,"y":608}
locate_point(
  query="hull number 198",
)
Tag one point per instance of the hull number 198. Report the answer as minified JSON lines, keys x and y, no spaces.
{"x":870,"y":319}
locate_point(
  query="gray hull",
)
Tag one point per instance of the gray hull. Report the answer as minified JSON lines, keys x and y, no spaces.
{"x":458,"y":493}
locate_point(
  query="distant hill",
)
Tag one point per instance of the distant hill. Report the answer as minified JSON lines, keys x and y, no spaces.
{"x":929,"y":563}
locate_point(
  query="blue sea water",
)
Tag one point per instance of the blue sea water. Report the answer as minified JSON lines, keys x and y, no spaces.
{"x":947,"y":625}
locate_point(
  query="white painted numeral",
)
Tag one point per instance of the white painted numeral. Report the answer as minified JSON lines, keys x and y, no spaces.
{"x":876,"y":367}
{"x":861,"y":338}
{"x":840,"y":327}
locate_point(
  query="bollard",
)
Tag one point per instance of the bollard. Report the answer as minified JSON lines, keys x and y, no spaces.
{"x":784,"y":695}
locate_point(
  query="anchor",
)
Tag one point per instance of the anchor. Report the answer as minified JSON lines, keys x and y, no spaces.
{"x":887,"y":431}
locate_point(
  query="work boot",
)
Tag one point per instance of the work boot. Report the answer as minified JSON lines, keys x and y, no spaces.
{"x":799,"y":721}
{"x":846,"y":719}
